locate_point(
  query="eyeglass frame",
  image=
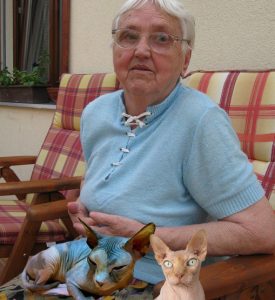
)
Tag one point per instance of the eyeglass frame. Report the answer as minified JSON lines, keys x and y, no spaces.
{"x":174,"y":38}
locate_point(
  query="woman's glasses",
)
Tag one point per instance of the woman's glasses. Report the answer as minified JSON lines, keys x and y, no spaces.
{"x":159,"y":42}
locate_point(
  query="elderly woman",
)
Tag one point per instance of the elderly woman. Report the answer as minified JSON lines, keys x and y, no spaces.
{"x":159,"y":152}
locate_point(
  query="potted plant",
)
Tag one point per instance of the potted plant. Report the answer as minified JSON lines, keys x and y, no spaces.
{"x":25,"y":87}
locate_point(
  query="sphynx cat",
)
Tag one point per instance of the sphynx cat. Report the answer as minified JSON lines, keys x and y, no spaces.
{"x":98,"y":265}
{"x":181,"y":268}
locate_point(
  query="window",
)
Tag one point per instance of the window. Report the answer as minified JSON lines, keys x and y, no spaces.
{"x":31,"y":29}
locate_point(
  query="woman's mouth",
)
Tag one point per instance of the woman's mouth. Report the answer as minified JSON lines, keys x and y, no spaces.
{"x":142,"y":68}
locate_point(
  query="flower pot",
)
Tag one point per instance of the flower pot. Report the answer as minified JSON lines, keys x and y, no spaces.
{"x":24,"y":94}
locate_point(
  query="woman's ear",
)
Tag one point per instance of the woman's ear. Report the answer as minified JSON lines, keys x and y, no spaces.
{"x":187,"y":58}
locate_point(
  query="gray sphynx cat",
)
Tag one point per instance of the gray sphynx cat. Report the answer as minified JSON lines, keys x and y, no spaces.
{"x":98,"y":265}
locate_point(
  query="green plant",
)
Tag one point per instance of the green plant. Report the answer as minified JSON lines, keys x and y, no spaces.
{"x":5,"y":77}
{"x":18,"y":77}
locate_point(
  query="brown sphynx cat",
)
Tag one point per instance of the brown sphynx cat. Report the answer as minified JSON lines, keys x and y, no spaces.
{"x":181,"y":268}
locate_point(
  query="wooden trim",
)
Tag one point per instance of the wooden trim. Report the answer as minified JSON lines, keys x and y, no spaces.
{"x":21,"y":250}
{"x":25,"y":241}
{"x":54,"y":41}
{"x":7,"y":161}
{"x":236,"y":274}
{"x":10,"y":176}
{"x":65,"y":36}
{"x":59,"y":39}
{"x":40,"y":186}
{"x":5,"y":250}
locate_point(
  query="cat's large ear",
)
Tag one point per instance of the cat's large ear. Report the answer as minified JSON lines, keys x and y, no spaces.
{"x":159,"y":247}
{"x":92,"y":239}
{"x":139,"y":244}
{"x":198,"y":245}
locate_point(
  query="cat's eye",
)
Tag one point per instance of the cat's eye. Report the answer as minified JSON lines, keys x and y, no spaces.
{"x":191,"y":262}
{"x":168,"y":264}
{"x":118,"y":268}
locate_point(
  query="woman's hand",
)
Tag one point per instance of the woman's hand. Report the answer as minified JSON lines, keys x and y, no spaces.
{"x":114,"y":225}
{"x":77,"y":210}
{"x":100,"y":222}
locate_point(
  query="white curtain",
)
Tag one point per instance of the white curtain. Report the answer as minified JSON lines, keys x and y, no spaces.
{"x":35,"y":30}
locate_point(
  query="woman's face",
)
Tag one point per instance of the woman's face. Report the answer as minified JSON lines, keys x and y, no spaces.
{"x":141,"y":71}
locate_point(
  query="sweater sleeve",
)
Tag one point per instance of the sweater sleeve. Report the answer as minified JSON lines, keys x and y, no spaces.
{"x":218,"y":174}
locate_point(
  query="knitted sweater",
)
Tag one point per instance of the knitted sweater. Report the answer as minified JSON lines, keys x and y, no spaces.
{"x":184,"y":164}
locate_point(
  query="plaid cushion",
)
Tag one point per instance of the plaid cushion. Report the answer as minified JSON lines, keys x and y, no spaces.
{"x":61,"y":153}
{"x":60,"y":156}
{"x":265,"y":172}
{"x":76,"y":91}
{"x":249,"y":99}
{"x":12,"y":215}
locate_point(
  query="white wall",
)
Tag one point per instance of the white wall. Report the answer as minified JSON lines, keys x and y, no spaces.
{"x":234,"y":34}
{"x":230,"y":34}
{"x":22,"y":132}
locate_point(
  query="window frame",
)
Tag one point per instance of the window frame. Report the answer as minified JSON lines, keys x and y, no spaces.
{"x":59,"y":13}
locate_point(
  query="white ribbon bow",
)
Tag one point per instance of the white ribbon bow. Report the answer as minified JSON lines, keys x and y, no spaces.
{"x":135,"y":120}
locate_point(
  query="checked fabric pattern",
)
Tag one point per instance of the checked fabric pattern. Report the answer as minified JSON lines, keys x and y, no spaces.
{"x":249,"y":99}
{"x":60,"y":154}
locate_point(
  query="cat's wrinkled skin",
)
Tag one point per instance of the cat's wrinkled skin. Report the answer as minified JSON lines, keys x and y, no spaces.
{"x":101,"y":271}
{"x":181,"y":268}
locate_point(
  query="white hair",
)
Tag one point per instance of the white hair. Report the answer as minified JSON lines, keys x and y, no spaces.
{"x":173,"y":7}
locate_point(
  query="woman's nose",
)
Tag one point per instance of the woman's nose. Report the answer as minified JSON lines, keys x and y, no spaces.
{"x":143,"y":48}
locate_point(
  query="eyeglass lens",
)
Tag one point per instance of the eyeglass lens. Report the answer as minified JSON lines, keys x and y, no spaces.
{"x":158,"y":41}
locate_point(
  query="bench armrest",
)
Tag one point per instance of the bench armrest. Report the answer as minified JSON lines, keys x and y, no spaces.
{"x":17,"y":160}
{"x":234,"y":275}
{"x":40,"y":186}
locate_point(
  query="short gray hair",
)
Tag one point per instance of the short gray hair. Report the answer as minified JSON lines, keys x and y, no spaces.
{"x":173,"y":7}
